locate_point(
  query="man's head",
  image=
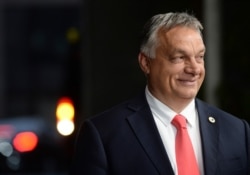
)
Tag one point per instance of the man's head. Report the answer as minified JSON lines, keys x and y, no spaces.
{"x":165,"y":22}
{"x":172,"y":58}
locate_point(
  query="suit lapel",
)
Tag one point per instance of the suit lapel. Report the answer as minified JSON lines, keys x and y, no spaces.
{"x":144,"y":127}
{"x":209,"y":136}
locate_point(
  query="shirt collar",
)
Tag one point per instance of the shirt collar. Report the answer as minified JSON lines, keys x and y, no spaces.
{"x":166,"y":114}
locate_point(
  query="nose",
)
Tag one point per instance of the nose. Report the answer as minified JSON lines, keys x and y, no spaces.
{"x":192,"y":66}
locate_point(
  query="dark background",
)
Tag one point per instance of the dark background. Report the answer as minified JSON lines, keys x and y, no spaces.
{"x":98,"y":68}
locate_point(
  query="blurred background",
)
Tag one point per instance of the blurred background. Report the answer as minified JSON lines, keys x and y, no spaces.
{"x":62,"y":61}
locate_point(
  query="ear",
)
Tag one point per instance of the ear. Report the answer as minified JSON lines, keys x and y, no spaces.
{"x":144,"y":63}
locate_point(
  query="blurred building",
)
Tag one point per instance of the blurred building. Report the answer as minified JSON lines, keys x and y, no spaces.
{"x":39,"y":64}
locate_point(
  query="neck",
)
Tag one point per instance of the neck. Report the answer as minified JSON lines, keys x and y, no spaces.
{"x":176,"y":104}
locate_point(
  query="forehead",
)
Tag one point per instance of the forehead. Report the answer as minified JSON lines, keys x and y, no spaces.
{"x":180,"y":37}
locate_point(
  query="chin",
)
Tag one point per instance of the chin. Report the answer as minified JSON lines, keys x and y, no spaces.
{"x":189,"y":96}
{"x":188,"y":93}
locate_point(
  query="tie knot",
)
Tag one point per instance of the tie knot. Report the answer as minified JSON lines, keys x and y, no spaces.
{"x":179,"y":122}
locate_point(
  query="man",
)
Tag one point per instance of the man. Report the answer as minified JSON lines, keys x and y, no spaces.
{"x":138,"y":137}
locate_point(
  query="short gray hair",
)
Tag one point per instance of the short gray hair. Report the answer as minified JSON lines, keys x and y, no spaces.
{"x":165,"y":21}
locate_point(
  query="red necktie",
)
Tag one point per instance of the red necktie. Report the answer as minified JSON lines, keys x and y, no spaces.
{"x":185,"y":157}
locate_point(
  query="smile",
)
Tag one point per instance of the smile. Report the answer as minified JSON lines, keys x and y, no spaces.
{"x":188,"y":82}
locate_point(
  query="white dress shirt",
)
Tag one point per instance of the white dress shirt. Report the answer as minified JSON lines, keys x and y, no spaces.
{"x":163,"y":116}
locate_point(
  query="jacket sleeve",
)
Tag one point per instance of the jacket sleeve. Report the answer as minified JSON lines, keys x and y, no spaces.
{"x":247,"y":128}
{"x":89,"y":156}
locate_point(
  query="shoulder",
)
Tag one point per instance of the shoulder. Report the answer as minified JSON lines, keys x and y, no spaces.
{"x":205,"y":110}
{"x":114,"y":122}
{"x":119,"y":112}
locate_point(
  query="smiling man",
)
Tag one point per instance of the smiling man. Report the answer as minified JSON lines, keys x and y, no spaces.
{"x":166,"y":130}
{"x":176,"y":71}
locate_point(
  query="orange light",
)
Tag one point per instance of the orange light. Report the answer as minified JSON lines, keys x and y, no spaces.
{"x":65,"y":109}
{"x":25,"y":141}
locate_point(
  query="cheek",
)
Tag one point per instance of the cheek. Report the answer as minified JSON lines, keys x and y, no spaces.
{"x":203,"y":72}
{"x":164,"y":71}
{"x":202,"y":76}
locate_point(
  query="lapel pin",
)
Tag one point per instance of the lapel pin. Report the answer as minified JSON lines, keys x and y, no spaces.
{"x":211,"y":119}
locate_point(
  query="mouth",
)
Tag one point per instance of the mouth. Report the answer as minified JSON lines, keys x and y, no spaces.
{"x":187,"y":82}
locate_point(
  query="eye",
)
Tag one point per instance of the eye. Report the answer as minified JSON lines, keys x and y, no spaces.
{"x":177,"y":58}
{"x":180,"y":57}
{"x":200,"y":58}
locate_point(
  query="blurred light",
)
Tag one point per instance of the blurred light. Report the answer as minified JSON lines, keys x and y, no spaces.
{"x":65,"y":127}
{"x":6,"y":149}
{"x":65,"y":113}
{"x":72,"y":35}
{"x":6,"y":131}
{"x":65,"y":109}
{"x":14,"y":161}
{"x":25,"y":141}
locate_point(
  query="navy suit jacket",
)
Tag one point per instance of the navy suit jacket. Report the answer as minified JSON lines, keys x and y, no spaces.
{"x":124,"y":140}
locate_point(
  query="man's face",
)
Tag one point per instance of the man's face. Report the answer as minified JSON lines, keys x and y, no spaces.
{"x":177,"y":71}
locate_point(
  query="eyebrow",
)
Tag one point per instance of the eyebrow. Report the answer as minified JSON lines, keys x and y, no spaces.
{"x":181,"y":51}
